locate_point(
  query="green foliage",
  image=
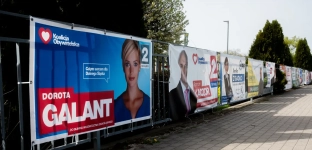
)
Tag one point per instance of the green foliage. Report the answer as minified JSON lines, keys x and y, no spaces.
{"x":292,"y":43}
{"x":288,"y":57}
{"x":269,"y":45}
{"x":165,"y":21}
{"x":280,"y":83}
{"x":303,"y":55}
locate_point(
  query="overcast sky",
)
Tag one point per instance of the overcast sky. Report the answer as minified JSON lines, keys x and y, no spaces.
{"x":208,"y":31}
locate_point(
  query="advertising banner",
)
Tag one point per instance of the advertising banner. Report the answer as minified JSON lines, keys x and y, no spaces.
{"x":288,"y":78}
{"x":266,"y":78}
{"x":307,"y":77}
{"x":301,"y":76}
{"x":84,"y":80}
{"x":255,"y":78}
{"x":232,"y":74}
{"x":271,"y":74}
{"x":295,"y":76}
{"x":287,"y":70}
{"x":193,"y":80}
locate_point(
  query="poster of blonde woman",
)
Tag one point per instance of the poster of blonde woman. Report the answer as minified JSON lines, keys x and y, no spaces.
{"x":255,"y":77}
{"x":232,"y":74}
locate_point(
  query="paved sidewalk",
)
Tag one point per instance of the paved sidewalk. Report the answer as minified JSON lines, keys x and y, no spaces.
{"x":281,"y":122}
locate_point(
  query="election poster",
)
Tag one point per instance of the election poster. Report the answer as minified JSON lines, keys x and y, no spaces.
{"x":288,"y":78}
{"x":85,"y":80}
{"x":301,"y":76}
{"x":193,"y":81}
{"x":271,"y":73}
{"x":255,"y":78}
{"x":295,"y":76}
{"x":307,"y":77}
{"x":266,"y":79}
{"x":287,"y":70}
{"x":232,"y":74}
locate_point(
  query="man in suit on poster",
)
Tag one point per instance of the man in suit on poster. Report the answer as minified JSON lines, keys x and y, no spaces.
{"x":227,"y":81}
{"x":182,"y":100}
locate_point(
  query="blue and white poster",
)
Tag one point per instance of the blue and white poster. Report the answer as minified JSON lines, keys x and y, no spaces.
{"x":84,"y":80}
{"x":232,"y":76}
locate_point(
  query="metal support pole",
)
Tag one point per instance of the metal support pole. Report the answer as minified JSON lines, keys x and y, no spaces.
{"x":227,"y":51}
{"x":2,"y":105}
{"x":228,"y":24}
{"x":96,"y":140}
{"x":20,"y":101}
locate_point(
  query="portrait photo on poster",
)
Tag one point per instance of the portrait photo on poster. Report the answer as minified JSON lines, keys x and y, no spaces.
{"x":133,"y":102}
{"x":182,"y":99}
{"x":227,"y":81}
{"x":232,"y":73}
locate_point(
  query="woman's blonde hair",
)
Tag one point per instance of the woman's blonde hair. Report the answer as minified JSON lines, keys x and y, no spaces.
{"x":127,"y":47}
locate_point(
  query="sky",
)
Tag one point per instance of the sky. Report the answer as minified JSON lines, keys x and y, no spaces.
{"x":207,"y":29}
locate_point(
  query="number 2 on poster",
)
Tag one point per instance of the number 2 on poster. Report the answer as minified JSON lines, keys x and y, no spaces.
{"x":145,"y":54}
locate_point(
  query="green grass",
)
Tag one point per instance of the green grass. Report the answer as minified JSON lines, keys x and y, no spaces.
{"x":221,"y":107}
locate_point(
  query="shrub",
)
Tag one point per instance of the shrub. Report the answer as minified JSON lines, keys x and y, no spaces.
{"x":280,"y":83}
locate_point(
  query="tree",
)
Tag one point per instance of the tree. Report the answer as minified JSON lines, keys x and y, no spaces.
{"x":125,"y":17}
{"x":164,"y":21}
{"x":269,"y":45}
{"x":303,"y":55}
{"x":292,"y":43}
{"x":257,"y":51}
{"x":288,"y":57}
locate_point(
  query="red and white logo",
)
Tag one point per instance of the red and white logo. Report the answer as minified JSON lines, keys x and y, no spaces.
{"x":45,"y":35}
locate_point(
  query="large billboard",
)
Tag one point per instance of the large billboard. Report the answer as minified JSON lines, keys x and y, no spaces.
{"x":232,"y":75}
{"x":85,"y":80}
{"x":255,"y":78}
{"x":193,"y":81}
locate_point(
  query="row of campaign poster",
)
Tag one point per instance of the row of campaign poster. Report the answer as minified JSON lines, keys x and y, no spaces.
{"x":193,"y":81}
{"x":85,"y":80}
{"x":239,"y":83}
